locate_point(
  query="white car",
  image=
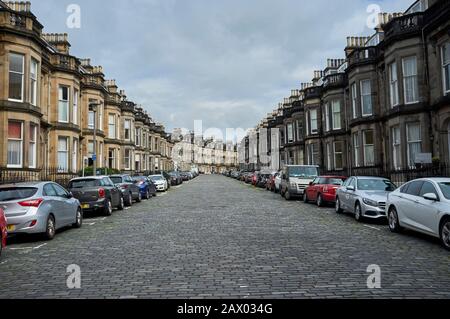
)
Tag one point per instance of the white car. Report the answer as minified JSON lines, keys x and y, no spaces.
{"x":160,"y":182}
{"x":278,"y":182}
{"x":422,"y":205}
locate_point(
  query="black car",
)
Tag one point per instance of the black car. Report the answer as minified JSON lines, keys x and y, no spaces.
{"x":97,"y":193}
{"x":175,"y":178}
{"x":130,"y":190}
{"x":167,"y":177}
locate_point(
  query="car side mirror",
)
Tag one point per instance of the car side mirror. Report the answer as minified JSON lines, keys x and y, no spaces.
{"x":310,"y":183}
{"x":431,"y":197}
{"x":351,"y":188}
{"x":70,"y":195}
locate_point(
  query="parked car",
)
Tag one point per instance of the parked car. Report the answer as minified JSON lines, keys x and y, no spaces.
{"x":129,"y":189}
{"x":175,"y":178}
{"x":39,"y":208}
{"x":255,"y":178}
{"x":97,"y":193}
{"x":248,"y":178}
{"x":146,"y":186}
{"x":160,"y":182}
{"x":323,"y":190}
{"x":263,"y":178}
{"x":422,"y":205}
{"x":364,"y":196}
{"x":270,"y":185}
{"x":295,"y":179}
{"x":3,"y":231}
{"x":185,"y":176}
{"x":167,"y":178}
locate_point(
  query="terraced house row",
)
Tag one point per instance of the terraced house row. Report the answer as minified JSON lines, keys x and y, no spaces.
{"x":382,"y":109}
{"x":52,"y":103}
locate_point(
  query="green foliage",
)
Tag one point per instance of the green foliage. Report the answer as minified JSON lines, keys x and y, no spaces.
{"x":89,"y":171}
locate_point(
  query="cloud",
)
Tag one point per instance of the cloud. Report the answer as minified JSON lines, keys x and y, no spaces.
{"x":226,"y":62}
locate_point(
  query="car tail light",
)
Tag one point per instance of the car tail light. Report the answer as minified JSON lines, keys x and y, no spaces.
{"x":32,"y":203}
{"x":101,"y":193}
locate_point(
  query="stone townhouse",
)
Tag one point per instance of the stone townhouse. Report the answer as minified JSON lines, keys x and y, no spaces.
{"x":51,"y":102}
{"x":385,"y":107}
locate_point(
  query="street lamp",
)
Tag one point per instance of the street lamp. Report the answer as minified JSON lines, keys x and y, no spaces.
{"x":93,"y":108}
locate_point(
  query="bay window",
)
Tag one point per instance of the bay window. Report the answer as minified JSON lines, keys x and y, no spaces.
{"x":34,"y":66}
{"x":16,"y":76}
{"x":63,"y":105}
{"x":446,"y":67}
{"x":366,"y":98}
{"x":393,"y":84}
{"x":410,"y":80}
{"x":32,"y":153}
{"x":338,"y":155}
{"x":368,"y":143}
{"x":15,"y":144}
{"x":414,"y":143}
{"x":336,"y":109}
{"x":63,"y":154}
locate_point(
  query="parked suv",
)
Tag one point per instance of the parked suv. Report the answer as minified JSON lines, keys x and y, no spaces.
{"x":129,"y":188}
{"x":364,"y":196}
{"x":295,"y":179}
{"x":97,"y":193}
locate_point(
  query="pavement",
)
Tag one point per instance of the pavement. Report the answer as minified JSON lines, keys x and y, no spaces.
{"x":215,"y":237}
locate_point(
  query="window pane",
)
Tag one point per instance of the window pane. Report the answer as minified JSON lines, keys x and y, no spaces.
{"x":409,"y":66}
{"x":16,"y":62}
{"x":14,"y":152}
{"x":15,"y":86}
{"x":15,"y":130}
{"x":446,"y":53}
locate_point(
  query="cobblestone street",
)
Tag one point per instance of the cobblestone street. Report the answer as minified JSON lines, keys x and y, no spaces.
{"x":216,"y":237}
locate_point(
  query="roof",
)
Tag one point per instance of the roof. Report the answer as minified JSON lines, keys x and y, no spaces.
{"x":88,"y":177}
{"x":24,"y":184}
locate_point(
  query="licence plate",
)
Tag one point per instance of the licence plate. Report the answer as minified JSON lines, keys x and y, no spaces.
{"x":11,"y":228}
{"x":85,"y":206}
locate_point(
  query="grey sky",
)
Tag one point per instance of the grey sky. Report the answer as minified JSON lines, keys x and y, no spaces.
{"x":226,"y":62}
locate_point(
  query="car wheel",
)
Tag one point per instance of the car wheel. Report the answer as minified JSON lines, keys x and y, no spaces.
{"x":358,"y":212}
{"x":121,"y":203}
{"x":445,"y":233}
{"x":338,"y":206}
{"x":50,"y":229}
{"x":394,"y":224}
{"x":107,"y":210}
{"x":287,"y":195}
{"x":129,"y":201}
{"x":139,"y":198}
{"x":319,"y":201}
{"x":78,"y":219}
{"x":147,"y":195}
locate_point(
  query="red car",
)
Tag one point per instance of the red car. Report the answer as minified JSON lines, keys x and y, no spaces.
{"x":3,"y":231}
{"x":323,"y":189}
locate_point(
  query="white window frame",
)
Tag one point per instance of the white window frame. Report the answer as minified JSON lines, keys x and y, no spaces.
{"x":112,"y":126}
{"x":22,"y":74}
{"x":411,"y":161}
{"x":329,"y":161}
{"x":127,"y":160}
{"x":290,"y":132}
{"x":396,"y":148}
{"x":34,"y":81}
{"x":91,"y":120}
{"x":364,"y":95}
{"x":327,"y":117}
{"x":100,"y":117}
{"x":63,"y":169}
{"x":356,"y":149}
{"x":445,"y":65}
{"x":314,"y":123}
{"x":75,"y":106}
{"x":32,"y":151}
{"x":393,"y":85}
{"x":63,"y":103}
{"x":413,"y":76}
{"x":127,"y":121}
{"x":336,"y":114}
{"x":75,"y":155}
{"x":366,"y":145}
{"x":335,"y":153}
{"x":354,"y":90}
{"x":20,"y":165}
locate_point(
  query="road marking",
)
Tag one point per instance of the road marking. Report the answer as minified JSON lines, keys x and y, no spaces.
{"x":40,"y":246}
{"x":28,"y":248}
{"x":90,"y":224}
{"x":3,"y":262}
{"x":372,"y":227}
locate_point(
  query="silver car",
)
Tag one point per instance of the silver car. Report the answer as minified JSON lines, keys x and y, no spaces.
{"x":422,"y":205}
{"x":39,"y":208}
{"x":364,"y":196}
{"x":160,"y":182}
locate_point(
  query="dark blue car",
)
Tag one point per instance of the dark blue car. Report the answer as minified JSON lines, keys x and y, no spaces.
{"x":146,"y":186}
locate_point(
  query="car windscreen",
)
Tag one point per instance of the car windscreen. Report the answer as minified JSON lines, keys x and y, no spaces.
{"x":157,"y":178}
{"x":376,"y":185}
{"x":445,"y":188}
{"x":139,"y":179}
{"x":116,"y":180}
{"x":16,"y":193}
{"x":303,"y":172}
{"x":335,"y":181}
{"x":81,"y":183}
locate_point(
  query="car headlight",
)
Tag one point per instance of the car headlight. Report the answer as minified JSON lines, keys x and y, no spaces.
{"x":370,"y":202}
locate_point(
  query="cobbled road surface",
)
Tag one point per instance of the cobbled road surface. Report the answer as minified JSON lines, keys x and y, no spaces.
{"x":215,"y":237}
